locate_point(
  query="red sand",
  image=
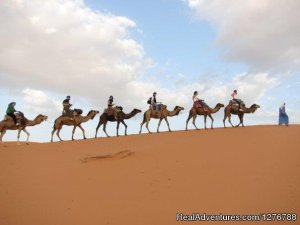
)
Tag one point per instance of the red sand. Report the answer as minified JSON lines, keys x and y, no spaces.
{"x":147,"y":179}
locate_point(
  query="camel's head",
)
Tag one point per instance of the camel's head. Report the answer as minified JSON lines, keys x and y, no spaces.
{"x":255,"y":107}
{"x":220,"y":105}
{"x":178,"y":109}
{"x":41,"y":117}
{"x":93,"y":113}
{"x":137,"y":111}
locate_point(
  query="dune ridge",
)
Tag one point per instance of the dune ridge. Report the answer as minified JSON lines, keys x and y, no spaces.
{"x":147,"y":179}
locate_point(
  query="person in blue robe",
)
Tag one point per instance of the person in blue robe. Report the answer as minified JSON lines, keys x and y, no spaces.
{"x":283,"y":117}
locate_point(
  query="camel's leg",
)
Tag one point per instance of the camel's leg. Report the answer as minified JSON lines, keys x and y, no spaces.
{"x":142,"y":123}
{"x":205,"y":116}
{"x":147,"y":123}
{"x":57,"y":133}
{"x":28,"y":134}
{"x":18,"y":137}
{"x":2,"y":134}
{"x":118,"y":124}
{"x":212,"y":121}
{"x":194,"y":120}
{"x":226,"y":114}
{"x":53,"y":131}
{"x":187,"y":121}
{"x":241,"y":120}
{"x":225,"y":117}
{"x":166,"y":119}
{"x":159,"y":125}
{"x":84,"y":137}
{"x":73,"y":131}
{"x":141,"y":127}
{"x":229,"y":119}
{"x":123,"y":122}
{"x":104,"y":129}
{"x":97,"y":128}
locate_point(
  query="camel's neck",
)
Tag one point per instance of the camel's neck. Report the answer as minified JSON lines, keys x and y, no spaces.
{"x":249,"y":110}
{"x":33,"y":122}
{"x":130,"y":115}
{"x":216,"y":109}
{"x":86,"y":118}
{"x":174,"y":112}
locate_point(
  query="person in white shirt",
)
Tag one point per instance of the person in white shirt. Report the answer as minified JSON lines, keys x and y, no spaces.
{"x":235,"y":99}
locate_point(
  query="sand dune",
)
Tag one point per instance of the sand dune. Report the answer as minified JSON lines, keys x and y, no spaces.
{"x":147,"y":179}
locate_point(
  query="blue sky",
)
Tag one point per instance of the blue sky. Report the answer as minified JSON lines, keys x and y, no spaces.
{"x":170,"y":33}
{"x":92,"y":49}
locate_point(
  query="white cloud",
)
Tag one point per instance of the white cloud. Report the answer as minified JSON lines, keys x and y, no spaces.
{"x":67,"y":48}
{"x":263,"y":34}
{"x":252,"y":87}
{"x":38,"y":102}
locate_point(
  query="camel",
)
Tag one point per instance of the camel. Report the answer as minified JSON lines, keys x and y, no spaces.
{"x":9,"y":124}
{"x":233,"y":109}
{"x":163,"y":114}
{"x":64,"y":120}
{"x":105,"y":117}
{"x":200,"y":111}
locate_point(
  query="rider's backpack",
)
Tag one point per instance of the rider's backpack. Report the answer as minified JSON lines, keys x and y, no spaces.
{"x":149,"y":100}
{"x":78,"y":111}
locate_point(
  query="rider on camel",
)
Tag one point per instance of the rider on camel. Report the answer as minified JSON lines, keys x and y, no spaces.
{"x":153,"y":103}
{"x":199,"y":102}
{"x":67,"y":105}
{"x":11,"y":112}
{"x":110,"y":106}
{"x":235,"y":99}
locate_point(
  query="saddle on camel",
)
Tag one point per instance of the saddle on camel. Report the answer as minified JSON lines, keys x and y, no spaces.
{"x":157,"y":108}
{"x":199,"y":104}
{"x":240,"y":105}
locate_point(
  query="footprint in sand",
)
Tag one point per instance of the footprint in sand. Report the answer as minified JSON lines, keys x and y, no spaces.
{"x":118,"y":155}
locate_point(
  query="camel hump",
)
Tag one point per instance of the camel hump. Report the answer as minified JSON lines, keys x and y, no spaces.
{"x":6,"y":117}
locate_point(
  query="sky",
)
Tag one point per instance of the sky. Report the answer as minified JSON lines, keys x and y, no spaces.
{"x":129,"y":49}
